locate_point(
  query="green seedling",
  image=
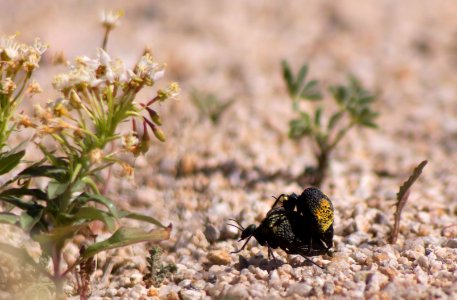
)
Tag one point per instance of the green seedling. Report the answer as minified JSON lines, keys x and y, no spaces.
{"x":210,"y":106}
{"x":157,"y":272}
{"x":352,"y":107}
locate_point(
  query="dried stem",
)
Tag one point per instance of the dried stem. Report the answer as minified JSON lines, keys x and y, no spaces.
{"x":402,"y":197}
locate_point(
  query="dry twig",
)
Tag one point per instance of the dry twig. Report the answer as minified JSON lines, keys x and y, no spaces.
{"x":402,"y":197}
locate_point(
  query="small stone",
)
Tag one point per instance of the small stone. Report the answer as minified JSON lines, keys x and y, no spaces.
{"x":380,"y":258}
{"x":219,"y":257}
{"x":452,"y":243}
{"x":172,"y":296}
{"x":261,"y":274}
{"x":136,"y":278}
{"x":424,"y":217}
{"x":152,"y":292}
{"x":199,"y":240}
{"x":389,"y":272}
{"x":299,"y":289}
{"x":125,"y":281}
{"x":424,"y":230}
{"x":357,"y":238}
{"x":423,"y":262}
{"x":421,"y":276}
{"x":190,"y":295}
{"x":329,"y":288}
{"x":111,"y":292}
{"x":238,"y":291}
{"x":381,"y":219}
{"x":187,"y":165}
{"x":184,"y":283}
{"x":212,"y":234}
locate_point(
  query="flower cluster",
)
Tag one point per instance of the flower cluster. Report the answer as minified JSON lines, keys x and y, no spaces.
{"x":15,"y":56}
{"x":17,"y":63}
{"x":97,"y":95}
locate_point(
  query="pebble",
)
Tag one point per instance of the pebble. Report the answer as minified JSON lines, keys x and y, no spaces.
{"x":152,"y":292}
{"x":424,"y":217}
{"x":299,"y":289}
{"x":421,"y":276}
{"x":136,"y":278}
{"x":238,"y":291}
{"x":212,"y":234}
{"x":219,"y":257}
{"x":359,"y":257}
{"x":329,"y":288}
{"x":452,"y":243}
{"x":423,"y":262}
{"x":357,"y":238}
{"x":190,"y":295}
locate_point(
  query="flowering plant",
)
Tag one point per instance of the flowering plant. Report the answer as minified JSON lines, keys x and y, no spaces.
{"x":73,"y":133}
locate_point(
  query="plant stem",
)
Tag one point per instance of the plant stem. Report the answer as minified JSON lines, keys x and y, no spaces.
{"x":105,"y":38}
{"x":322,"y":166}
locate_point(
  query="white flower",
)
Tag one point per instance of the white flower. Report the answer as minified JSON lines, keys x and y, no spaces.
{"x":61,"y":82}
{"x":40,"y":47}
{"x":86,"y":62}
{"x":103,"y":57}
{"x":148,"y":68}
{"x":110,"y":19}
{"x":10,"y":47}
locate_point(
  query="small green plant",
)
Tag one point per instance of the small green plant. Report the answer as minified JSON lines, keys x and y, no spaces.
{"x":79,"y":135}
{"x":157,"y":271}
{"x":353,"y":108}
{"x":209,"y":105}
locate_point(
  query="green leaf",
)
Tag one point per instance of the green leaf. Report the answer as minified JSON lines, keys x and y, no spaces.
{"x":58,"y":234}
{"x":56,"y":188}
{"x":87,"y":197}
{"x":92,"y":213}
{"x":288,"y":78}
{"x":58,"y":173}
{"x":30,"y":206}
{"x":301,"y":76}
{"x":300,"y":127}
{"x":8,"y":218}
{"x":28,"y":220}
{"x":140,"y":217}
{"x":340,"y":94}
{"x":311,"y":91}
{"x":336,"y":117}
{"x":127,"y":236}
{"x":10,"y":160}
{"x":19,"y":192}
{"x":317,"y":117}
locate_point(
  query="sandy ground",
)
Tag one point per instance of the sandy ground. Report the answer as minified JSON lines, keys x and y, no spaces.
{"x":404,"y":50}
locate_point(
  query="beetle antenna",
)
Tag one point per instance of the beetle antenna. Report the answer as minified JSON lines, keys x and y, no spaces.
{"x":238,"y":225}
{"x":277,"y":199}
{"x":244,"y":245}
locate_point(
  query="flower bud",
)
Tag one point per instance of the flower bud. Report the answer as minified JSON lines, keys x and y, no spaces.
{"x":159,"y":134}
{"x":154,"y":116}
{"x":96,"y":156}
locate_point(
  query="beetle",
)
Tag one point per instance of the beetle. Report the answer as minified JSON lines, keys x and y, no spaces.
{"x":283,"y":229}
{"x":317,"y":212}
